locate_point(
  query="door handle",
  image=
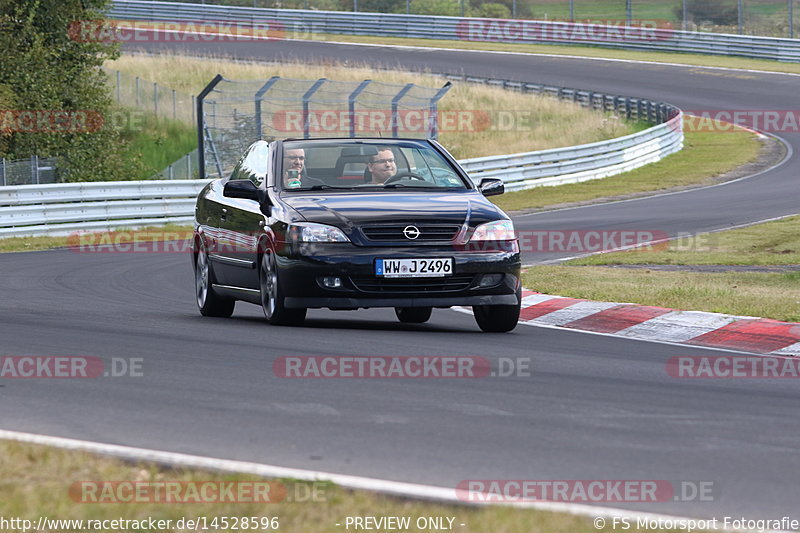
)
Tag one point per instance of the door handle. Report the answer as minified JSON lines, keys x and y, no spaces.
{"x":224,"y":215}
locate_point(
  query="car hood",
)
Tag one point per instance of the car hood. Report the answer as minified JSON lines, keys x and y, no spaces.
{"x":349,"y":210}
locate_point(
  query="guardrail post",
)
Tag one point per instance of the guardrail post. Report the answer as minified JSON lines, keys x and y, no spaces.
{"x":433,"y":120}
{"x":395,"y":101}
{"x":259,"y":96}
{"x":351,"y":105}
{"x":306,"y":100}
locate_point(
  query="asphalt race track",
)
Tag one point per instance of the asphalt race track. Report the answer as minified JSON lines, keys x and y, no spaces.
{"x":595,"y":407}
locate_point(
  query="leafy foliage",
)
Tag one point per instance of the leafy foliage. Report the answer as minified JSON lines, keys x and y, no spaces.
{"x":44,"y":68}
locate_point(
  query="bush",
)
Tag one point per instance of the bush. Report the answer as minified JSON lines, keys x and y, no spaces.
{"x":493,"y":11}
{"x":719,"y":12}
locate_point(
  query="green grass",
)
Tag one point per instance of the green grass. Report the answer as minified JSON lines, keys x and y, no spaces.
{"x":770,"y":295}
{"x":35,"y":481}
{"x":32,"y":244}
{"x":705,"y":155}
{"x":153,"y":143}
{"x":771,"y":243}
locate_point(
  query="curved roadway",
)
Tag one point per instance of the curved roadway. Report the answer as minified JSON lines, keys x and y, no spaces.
{"x":595,"y":407}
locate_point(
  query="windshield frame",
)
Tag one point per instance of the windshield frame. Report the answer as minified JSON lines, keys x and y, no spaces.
{"x":466,"y":184}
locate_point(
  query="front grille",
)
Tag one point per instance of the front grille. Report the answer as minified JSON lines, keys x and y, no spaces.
{"x":454,"y":283}
{"x":394,"y":232}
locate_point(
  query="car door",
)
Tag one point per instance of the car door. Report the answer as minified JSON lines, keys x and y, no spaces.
{"x":241,"y":224}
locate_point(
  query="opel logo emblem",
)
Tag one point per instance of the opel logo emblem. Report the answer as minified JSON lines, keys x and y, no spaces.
{"x":411,"y":232}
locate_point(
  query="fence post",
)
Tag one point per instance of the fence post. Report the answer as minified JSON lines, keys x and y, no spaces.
{"x":684,"y":17}
{"x":306,"y":100}
{"x":259,"y":96}
{"x":351,"y":105}
{"x":119,"y":74}
{"x":137,"y":91}
{"x":189,"y":166}
{"x":399,"y":96}
{"x":433,"y":125}
{"x":174,"y":106}
{"x":170,"y":173}
{"x":201,"y":145}
{"x":194,"y":107}
{"x":741,"y":17}
{"x":4,"y":171}
{"x":35,"y":169}
{"x":629,"y":12}
{"x":791,"y":18}
{"x":155,"y":98}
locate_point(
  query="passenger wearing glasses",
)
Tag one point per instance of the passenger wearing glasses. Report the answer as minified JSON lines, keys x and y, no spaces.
{"x":382,"y":165}
{"x":294,"y":163}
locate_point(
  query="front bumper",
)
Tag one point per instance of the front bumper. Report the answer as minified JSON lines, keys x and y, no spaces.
{"x":301,"y":275}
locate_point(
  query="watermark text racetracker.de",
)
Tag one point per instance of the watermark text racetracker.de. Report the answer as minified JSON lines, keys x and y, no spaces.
{"x":197,"y":491}
{"x":584,"y":490}
{"x":732,"y":367}
{"x":400,"y":367}
{"x":69,"y":367}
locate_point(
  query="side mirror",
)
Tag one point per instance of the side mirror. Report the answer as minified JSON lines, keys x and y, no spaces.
{"x":242,"y":189}
{"x":491,"y":187}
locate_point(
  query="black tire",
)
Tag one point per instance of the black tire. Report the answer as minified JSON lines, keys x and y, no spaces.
{"x":272,"y":295}
{"x":496,"y":318}
{"x":208,"y":301}
{"x":413,"y":315}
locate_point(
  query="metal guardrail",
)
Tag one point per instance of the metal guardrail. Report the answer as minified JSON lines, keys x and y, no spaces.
{"x":303,"y":23}
{"x":64,"y":208}
{"x":589,"y":161}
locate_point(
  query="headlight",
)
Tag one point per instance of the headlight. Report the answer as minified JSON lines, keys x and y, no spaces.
{"x":499,"y":230}
{"x":311,"y":232}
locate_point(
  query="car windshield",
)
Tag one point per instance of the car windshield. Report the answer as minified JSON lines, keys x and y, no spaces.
{"x":348,"y":165}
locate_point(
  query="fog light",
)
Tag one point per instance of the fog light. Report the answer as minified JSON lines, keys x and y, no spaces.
{"x":490,"y":280}
{"x":332,"y":282}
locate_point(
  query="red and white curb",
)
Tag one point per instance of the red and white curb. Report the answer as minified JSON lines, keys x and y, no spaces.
{"x":712,"y":330}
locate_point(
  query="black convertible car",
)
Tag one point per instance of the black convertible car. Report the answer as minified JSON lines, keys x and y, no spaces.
{"x":355,"y":223}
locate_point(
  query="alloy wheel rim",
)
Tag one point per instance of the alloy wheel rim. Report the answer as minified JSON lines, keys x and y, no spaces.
{"x":269,"y":286}
{"x":201,"y":276}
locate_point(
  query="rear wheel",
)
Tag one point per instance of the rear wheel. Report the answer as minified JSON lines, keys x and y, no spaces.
{"x":272,"y":295}
{"x":413,"y":315}
{"x":208,"y":301}
{"x":496,"y":318}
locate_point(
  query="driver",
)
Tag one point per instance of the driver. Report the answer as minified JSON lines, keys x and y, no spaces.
{"x":382,"y":165}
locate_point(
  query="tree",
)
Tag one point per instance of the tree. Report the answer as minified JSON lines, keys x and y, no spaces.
{"x":46,"y":69}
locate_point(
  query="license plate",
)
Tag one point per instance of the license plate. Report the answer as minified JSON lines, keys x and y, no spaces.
{"x":414,"y":268}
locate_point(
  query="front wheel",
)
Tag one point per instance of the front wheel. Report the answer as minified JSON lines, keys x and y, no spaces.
{"x":272,"y":295}
{"x":496,"y":318}
{"x":208,"y":301}
{"x":413,"y":315}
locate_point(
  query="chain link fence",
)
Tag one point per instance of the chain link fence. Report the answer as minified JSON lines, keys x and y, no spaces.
{"x":237,"y":113}
{"x":772,"y":18}
{"x":30,"y":171}
{"x":137,"y":93}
